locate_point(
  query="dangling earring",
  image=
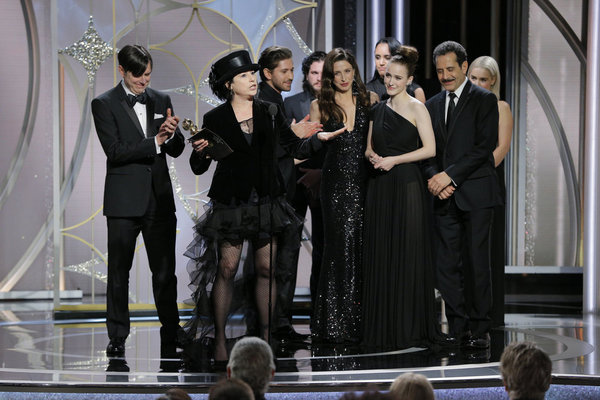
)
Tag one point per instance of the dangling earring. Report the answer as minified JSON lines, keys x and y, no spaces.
{"x":354,"y":86}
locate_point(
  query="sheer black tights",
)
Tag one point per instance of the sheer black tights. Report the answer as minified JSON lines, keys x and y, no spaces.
{"x":230,"y":254}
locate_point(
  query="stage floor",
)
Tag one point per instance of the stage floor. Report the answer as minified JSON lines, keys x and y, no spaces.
{"x":38,"y":352}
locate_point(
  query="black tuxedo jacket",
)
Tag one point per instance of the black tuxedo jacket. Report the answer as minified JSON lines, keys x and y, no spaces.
{"x":464,"y":150}
{"x":132,"y":166}
{"x":250,"y":165}
{"x":298,"y":106}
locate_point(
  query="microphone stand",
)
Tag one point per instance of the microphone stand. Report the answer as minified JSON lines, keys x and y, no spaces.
{"x":275,"y":165}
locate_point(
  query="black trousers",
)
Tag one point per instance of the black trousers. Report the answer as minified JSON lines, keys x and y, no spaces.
{"x":465,"y":234}
{"x":158,"y":231}
{"x":286,"y":287}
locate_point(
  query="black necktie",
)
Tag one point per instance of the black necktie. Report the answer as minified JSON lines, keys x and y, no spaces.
{"x":140,"y":98}
{"x":451,"y":106}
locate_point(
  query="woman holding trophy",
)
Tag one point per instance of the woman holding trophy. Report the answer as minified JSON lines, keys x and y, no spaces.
{"x":247,"y":203}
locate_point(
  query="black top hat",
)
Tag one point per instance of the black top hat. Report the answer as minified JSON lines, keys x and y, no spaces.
{"x":232,"y":64}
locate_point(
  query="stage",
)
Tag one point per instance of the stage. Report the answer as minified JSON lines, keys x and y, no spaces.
{"x":42,"y":356}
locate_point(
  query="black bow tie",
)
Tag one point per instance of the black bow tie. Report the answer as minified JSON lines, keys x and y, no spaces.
{"x":140,"y":98}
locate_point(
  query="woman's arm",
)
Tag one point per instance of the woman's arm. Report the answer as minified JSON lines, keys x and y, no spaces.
{"x":420,"y":95}
{"x":505,"y":125}
{"x":425,"y":129}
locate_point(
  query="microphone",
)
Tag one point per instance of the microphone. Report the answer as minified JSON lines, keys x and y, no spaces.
{"x":272,"y":110}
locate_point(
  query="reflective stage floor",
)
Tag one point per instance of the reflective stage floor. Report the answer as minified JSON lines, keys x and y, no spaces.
{"x":38,"y":353}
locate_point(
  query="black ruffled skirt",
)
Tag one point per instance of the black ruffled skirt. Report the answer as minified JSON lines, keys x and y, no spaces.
{"x":256,"y":219}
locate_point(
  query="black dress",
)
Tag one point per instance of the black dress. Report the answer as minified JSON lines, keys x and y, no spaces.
{"x":336,"y":316}
{"x":398,"y":295}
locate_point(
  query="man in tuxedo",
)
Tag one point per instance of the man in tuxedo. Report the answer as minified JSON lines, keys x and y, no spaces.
{"x":307,"y":187}
{"x":137,"y":129}
{"x":276,"y":74}
{"x":462,"y":178}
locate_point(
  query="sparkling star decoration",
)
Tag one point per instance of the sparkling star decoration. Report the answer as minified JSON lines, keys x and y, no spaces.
{"x":91,"y":50}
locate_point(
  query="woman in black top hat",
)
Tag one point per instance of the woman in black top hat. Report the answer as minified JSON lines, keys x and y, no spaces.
{"x":247,"y":203}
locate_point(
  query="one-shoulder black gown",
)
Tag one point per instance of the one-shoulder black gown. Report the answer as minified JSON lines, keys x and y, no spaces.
{"x":398,"y":299}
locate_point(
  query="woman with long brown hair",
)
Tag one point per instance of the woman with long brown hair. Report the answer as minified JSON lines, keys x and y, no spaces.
{"x":343,"y":102}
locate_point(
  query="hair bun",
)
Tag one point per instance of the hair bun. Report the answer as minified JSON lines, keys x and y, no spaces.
{"x":409,"y":53}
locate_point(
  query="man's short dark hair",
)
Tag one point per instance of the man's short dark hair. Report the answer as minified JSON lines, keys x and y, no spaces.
{"x":310,"y":59}
{"x":526,"y":371}
{"x":135,"y":59}
{"x":450,"y":47}
{"x":270,"y":57}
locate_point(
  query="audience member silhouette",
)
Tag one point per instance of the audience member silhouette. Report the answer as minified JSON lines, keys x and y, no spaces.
{"x":231,"y":389}
{"x":251,"y":360}
{"x":411,"y":386}
{"x":526,"y":371}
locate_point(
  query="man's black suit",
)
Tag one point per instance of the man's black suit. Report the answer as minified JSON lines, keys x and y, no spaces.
{"x":464,"y":152}
{"x":138,"y":197}
{"x":297,"y":107}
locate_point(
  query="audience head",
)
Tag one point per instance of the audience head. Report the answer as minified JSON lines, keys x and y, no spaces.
{"x":450,"y":60}
{"x":369,"y":395}
{"x":175,"y":394}
{"x":277,"y":68}
{"x":312,"y":69}
{"x":231,"y":389}
{"x":224,"y":71}
{"x":526,"y":371}
{"x":484,"y":72}
{"x":412,"y":386}
{"x":385,"y":49}
{"x":251,"y":360}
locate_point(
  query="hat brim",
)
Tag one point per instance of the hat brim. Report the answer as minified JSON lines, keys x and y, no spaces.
{"x":231,"y":73}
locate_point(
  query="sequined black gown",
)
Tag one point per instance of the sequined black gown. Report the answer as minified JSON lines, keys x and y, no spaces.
{"x":336,"y":315}
{"x":398,"y":296}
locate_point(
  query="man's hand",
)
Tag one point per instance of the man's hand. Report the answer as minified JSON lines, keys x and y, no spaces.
{"x":167,"y":129}
{"x":446,"y":192}
{"x":305,"y":128}
{"x":438,"y":182}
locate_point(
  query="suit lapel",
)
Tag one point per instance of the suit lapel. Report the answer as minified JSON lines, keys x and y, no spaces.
{"x":128,"y":109}
{"x":462,"y":101}
{"x":441,"y":111}
{"x":305,"y":104}
{"x":150,"y":129}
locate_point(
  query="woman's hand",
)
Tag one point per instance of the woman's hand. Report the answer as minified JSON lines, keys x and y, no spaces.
{"x":373,"y":157}
{"x":305,"y":128}
{"x":199,"y":145}
{"x":325,"y":136}
{"x":384,"y":163}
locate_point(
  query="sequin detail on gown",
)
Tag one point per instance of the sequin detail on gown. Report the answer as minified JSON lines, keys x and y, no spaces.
{"x":337,"y":312}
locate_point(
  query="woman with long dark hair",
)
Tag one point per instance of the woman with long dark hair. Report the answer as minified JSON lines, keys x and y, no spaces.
{"x":343,"y":102}
{"x":247,"y":203}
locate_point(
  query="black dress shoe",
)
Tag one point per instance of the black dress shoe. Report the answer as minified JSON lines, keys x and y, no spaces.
{"x":169,"y":350}
{"x":479,"y":341}
{"x":288,"y":334}
{"x":116,"y":347}
{"x":454,"y":341}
